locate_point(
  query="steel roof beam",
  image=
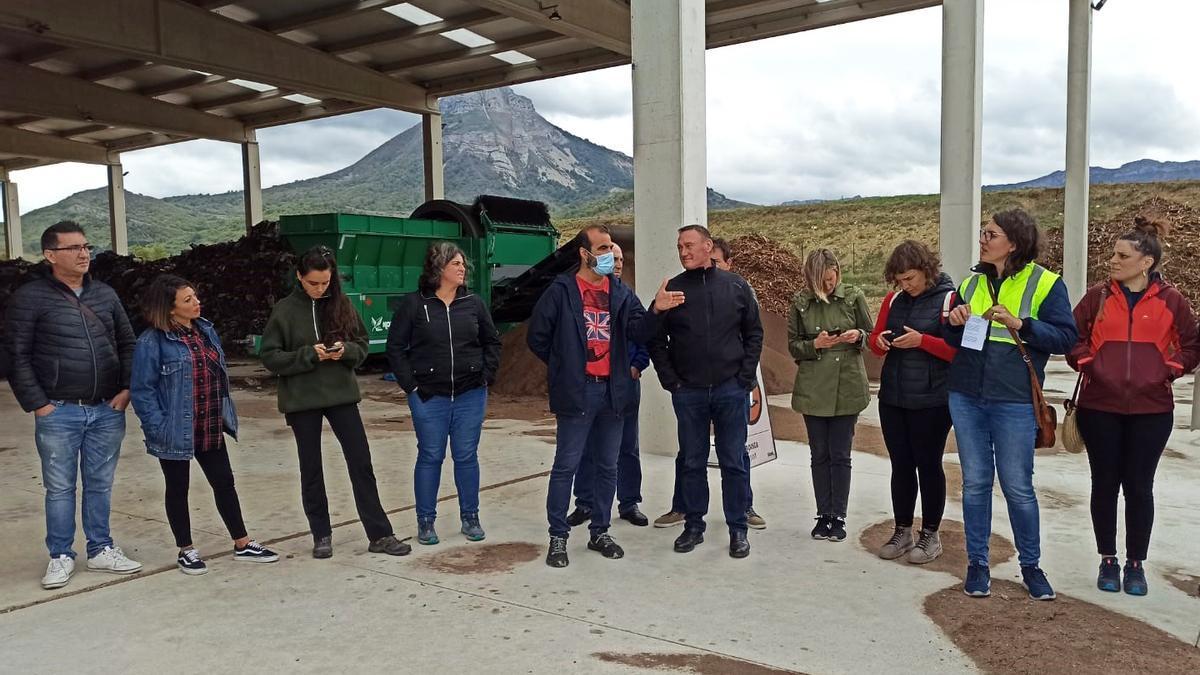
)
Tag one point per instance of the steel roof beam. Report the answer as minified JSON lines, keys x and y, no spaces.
{"x":807,"y":17}
{"x":184,"y":35}
{"x":46,"y":146}
{"x":33,"y":91}
{"x":604,"y":24}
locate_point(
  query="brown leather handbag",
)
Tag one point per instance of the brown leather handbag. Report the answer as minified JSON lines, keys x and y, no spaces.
{"x":1047,"y":416}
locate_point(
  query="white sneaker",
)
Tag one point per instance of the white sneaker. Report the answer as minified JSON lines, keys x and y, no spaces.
{"x":59,"y":572}
{"x":113,"y":561}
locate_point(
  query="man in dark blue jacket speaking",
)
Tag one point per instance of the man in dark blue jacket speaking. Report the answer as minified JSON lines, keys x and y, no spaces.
{"x":629,"y":461}
{"x":581,"y":327}
{"x":706,"y":354}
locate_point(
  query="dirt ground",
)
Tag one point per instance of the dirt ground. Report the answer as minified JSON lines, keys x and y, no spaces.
{"x":1009,"y":633}
{"x":701,"y":664}
{"x":954,"y":557}
{"x":482,"y":558}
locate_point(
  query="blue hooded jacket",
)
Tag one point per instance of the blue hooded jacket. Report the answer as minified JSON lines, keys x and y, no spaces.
{"x":558,"y":337}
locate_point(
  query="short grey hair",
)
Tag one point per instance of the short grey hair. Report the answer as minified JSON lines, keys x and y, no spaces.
{"x":439,"y":254}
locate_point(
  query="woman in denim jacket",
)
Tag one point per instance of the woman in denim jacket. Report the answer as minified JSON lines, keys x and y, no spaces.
{"x":180,"y":392}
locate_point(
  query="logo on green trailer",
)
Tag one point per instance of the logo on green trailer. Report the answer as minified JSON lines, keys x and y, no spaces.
{"x":378,"y":325}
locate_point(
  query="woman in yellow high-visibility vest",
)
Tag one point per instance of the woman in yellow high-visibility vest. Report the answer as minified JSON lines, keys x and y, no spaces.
{"x":990,"y":398}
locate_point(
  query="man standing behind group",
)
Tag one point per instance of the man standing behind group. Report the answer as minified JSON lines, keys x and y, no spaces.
{"x":629,"y":462}
{"x":706,"y":354}
{"x":72,"y":353}
{"x":580,"y":328}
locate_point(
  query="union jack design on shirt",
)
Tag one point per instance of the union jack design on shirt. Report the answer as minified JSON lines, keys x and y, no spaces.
{"x":599,"y":325}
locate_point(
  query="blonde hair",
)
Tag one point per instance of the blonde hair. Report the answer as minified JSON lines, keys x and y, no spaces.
{"x":818,"y":263}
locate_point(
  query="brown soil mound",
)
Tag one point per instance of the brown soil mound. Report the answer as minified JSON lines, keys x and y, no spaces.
{"x":521,"y":373}
{"x":954,"y":547}
{"x":1009,"y":633}
{"x":701,"y":664}
{"x":774,"y":272}
{"x":1181,"y":246}
{"x":482,"y":558}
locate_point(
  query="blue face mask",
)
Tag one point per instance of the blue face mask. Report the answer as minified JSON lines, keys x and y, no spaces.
{"x":603,"y":264}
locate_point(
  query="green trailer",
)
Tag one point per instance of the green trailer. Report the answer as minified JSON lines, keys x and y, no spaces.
{"x":380,"y":258}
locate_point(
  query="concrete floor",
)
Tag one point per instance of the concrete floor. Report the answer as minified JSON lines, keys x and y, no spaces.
{"x":794,"y":604}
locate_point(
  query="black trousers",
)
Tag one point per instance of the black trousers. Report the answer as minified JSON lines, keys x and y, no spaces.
{"x":830,"y":438}
{"x":215,"y":464}
{"x":1123,"y":451}
{"x":916,"y":440}
{"x":348,"y":428}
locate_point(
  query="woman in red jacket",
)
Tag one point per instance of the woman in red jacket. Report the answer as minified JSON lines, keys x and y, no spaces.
{"x":1137,"y":334}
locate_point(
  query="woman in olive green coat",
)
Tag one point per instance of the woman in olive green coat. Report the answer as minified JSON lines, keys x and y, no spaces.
{"x":828,"y":324}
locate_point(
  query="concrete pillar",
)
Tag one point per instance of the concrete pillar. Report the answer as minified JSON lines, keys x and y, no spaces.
{"x":252,"y":198}
{"x":431,"y":144}
{"x":12,"y":217}
{"x":668,"y":164}
{"x":118,"y":224}
{"x":962,"y":125}
{"x":1079,"y":91}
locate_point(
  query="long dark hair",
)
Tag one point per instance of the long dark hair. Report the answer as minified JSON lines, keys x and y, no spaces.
{"x":337,"y":317}
{"x":1022,"y":231}
{"x":158,"y":300}
{"x":1146,"y":237}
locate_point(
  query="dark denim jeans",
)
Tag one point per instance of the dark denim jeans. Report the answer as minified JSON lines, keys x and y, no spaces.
{"x":677,"y":494}
{"x":724,"y":408}
{"x":71,"y":438}
{"x":459,"y":421}
{"x":996,"y":438}
{"x":596,"y":433}
{"x":629,"y":469}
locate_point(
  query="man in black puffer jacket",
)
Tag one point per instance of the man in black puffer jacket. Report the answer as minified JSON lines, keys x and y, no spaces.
{"x":72,"y":351}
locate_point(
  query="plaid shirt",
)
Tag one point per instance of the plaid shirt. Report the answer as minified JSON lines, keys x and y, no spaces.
{"x":206,"y":392}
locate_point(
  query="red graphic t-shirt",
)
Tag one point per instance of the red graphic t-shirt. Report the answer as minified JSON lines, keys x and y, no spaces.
{"x":598,"y":324}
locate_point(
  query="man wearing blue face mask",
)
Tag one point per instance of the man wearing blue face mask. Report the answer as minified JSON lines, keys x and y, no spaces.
{"x":581,"y":327}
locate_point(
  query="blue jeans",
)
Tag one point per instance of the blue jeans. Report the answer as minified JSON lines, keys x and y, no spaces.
{"x":677,"y":494}
{"x":595,"y":433}
{"x":71,"y":440}
{"x":459,"y":421}
{"x":997,"y":438}
{"x":629,"y":470}
{"x":725,"y":408}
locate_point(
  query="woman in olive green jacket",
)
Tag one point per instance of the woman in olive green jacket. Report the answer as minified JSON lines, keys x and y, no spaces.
{"x":828,"y":324}
{"x":313,"y":341}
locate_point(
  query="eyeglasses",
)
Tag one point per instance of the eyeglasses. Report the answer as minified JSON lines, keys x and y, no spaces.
{"x":75,"y":248}
{"x":987,"y":236}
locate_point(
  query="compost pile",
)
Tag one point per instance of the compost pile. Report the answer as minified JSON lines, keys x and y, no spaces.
{"x":1180,"y":248}
{"x":238,"y":281}
{"x":774,"y":273}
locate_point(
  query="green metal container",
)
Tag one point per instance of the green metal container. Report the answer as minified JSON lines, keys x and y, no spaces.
{"x":380,"y":258}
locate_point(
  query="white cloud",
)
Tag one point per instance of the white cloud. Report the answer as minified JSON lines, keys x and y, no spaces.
{"x":847,"y":110}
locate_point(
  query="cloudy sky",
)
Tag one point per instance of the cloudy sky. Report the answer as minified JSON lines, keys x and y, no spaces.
{"x":842,"y":111}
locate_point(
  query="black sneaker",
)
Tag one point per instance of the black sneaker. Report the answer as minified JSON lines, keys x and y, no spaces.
{"x":579,"y":516}
{"x":1135,"y":578}
{"x":821,"y":529}
{"x":606,"y":546}
{"x":688,"y":541}
{"x":323,"y":547}
{"x":837,"y":529}
{"x":255,"y":552}
{"x":557,"y":555}
{"x":636,"y":517}
{"x":739,"y":545}
{"x":1109,"y":578}
{"x":389,"y":545}
{"x":190,"y":563}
